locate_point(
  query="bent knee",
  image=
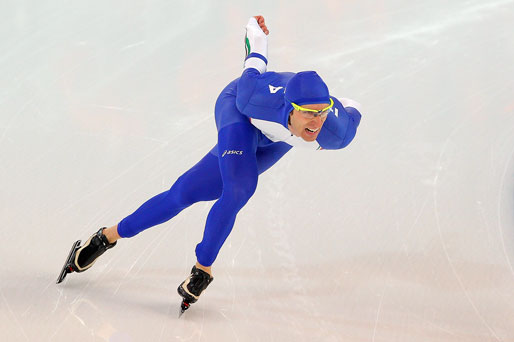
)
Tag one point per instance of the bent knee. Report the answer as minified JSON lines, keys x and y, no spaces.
{"x":191,"y":188}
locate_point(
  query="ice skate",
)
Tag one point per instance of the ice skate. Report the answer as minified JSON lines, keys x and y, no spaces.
{"x":192,"y":287}
{"x":81,"y":258}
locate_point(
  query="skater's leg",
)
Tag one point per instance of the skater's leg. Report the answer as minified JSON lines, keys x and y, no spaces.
{"x":201,"y":183}
{"x":237,"y":145}
{"x":266,"y":157}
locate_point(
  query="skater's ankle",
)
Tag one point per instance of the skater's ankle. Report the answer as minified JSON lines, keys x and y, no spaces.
{"x":111,"y":234}
{"x":204,"y":268}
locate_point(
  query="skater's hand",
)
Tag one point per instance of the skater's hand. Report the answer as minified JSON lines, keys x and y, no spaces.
{"x":262,"y":24}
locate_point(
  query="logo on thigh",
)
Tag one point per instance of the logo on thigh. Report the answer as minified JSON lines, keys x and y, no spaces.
{"x":227,"y":152}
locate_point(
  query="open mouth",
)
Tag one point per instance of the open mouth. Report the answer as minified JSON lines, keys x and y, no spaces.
{"x":311,"y":131}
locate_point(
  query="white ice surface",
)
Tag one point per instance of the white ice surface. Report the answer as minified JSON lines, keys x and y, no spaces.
{"x":406,"y":235}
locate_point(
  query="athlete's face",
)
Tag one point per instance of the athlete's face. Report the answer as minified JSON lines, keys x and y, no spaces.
{"x":307,"y":128}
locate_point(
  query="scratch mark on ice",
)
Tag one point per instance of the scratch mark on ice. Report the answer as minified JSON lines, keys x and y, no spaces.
{"x":133,"y":45}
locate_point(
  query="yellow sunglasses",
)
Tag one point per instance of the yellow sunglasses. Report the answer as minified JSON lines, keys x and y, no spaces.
{"x":312,"y":113}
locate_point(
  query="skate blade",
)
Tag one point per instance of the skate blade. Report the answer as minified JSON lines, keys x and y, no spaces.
{"x":183,"y":307}
{"x":67,"y":268}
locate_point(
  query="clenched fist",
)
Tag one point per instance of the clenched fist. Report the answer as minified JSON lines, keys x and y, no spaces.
{"x":262,"y":24}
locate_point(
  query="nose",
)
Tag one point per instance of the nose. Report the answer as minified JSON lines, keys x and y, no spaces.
{"x":317,"y":120}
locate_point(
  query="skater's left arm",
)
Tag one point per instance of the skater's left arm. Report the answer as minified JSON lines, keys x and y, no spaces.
{"x":256,"y":45}
{"x":341,"y":125}
{"x":256,"y":60}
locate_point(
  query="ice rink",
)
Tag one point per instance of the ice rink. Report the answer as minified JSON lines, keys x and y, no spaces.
{"x":405,"y":235}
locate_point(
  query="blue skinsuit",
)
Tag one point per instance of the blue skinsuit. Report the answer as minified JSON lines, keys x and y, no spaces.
{"x":252,"y":119}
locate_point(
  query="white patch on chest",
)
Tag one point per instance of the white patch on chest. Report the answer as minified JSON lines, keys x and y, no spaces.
{"x":276,"y":132}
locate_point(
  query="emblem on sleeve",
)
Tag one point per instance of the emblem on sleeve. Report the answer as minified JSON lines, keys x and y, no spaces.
{"x":273,"y":89}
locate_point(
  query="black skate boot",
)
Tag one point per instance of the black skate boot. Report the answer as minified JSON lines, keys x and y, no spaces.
{"x":192,"y":287}
{"x":81,"y":258}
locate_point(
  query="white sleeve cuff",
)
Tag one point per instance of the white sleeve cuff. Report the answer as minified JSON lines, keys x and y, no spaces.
{"x":255,"y":63}
{"x":351,"y":103}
